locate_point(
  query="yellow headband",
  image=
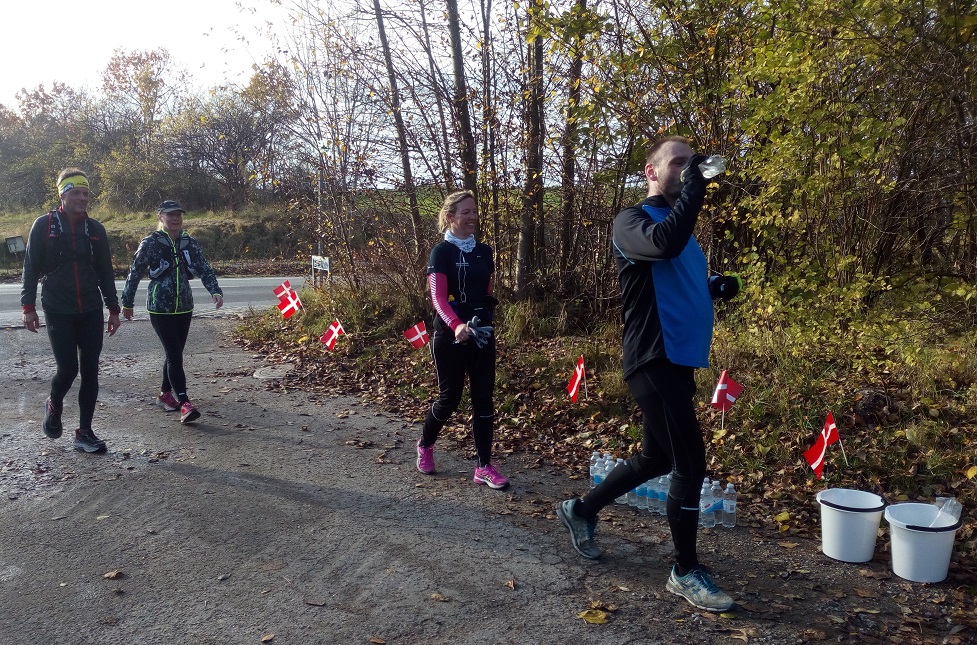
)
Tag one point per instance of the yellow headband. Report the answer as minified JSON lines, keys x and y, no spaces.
{"x":72,"y":181}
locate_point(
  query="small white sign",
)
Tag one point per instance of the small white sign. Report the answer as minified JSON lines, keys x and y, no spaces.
{"x":320,"y":263}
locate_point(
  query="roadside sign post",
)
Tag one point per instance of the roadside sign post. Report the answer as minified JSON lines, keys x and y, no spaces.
{"x":16,"y":246}
{"x":320,"y":264}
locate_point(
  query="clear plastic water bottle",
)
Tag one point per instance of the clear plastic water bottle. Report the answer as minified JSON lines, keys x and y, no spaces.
{"x":600,"y":469}
{"x":632,"y":497}
{"x":717,"y":501}
{"x":706,"y":485}
{"x":729,"y":506}
{"x":707,"y":518}
{"x":642,"y":492}
{"x":664,"y":483}
{"x":652,"y":485}
{"x":714,"y":165}
{"x":623,"y":499}
{"x":594,"y":460}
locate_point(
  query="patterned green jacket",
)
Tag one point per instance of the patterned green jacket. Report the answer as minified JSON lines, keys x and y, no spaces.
{"x":170,"y":265}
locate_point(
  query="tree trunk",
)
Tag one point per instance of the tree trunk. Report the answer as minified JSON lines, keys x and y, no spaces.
{"x":531,"y":231}
{"x":415,"y":213}
{"x":469,"y":162}
{"x":445,"y":154}
{"x":569,"y":168}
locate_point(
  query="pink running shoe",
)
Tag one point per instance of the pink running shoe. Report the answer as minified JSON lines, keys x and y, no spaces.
{"x":167,"y":401}
{"x":425,"y":459}
{"x":489,"y":475}
{"x":188,"y":413}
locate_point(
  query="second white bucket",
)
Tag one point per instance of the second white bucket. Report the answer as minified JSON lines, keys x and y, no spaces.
{"x":922,"y":541}
{"x":849,"y":523}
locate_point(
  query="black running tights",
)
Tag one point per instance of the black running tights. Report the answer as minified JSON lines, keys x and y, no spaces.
{"x":452,"y":362}
{"x":173,"y":330}
{"x":671,"y":442}
{"x":77,"y":343}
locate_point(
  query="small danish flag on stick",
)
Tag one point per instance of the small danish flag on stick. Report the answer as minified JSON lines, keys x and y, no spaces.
{"x":288,"y":300}
{"x":335,"y":331}
{"x":579,"y":376}
{"x":417,"y":335}
{"x":815,"y":454}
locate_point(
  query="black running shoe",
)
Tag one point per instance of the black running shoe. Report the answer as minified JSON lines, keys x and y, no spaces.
{"x":52,"y":419}
{"x":86,"y":441}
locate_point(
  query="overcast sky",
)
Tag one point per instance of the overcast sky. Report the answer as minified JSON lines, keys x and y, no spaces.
{"x":57,"y":40}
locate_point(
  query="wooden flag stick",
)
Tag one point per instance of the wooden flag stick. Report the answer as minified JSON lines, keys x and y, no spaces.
{"x":843,"y":451}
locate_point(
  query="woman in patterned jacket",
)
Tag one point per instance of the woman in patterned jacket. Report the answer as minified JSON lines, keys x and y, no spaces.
{"x":170,"y":257}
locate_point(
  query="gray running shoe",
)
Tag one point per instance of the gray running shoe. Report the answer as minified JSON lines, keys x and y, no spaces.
{"x":52,"y":419}
{"x":86,"y":441}
{"x":581,"y":530}
{"x":698,"y":588}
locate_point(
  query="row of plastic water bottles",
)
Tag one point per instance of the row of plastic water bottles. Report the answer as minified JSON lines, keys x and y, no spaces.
{"x":717,"y":507}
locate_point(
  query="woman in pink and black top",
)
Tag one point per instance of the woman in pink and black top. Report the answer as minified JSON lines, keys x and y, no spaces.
{"x":460,"y":277}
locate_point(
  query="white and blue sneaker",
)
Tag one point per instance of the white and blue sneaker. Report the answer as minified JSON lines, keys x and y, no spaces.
{"x":698,"y":588}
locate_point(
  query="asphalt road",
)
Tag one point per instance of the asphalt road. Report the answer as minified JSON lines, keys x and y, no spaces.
{"x":240,"y":295}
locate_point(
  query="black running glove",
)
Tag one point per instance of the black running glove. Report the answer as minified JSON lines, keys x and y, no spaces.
{"x":725,"y":286}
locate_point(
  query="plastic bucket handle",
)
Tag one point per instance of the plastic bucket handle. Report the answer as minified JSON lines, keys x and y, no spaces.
{"x":935,"y":529}
{"x":850,"y":509}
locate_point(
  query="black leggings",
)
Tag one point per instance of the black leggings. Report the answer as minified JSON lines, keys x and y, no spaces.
{"x":671,"y":442}
{"x":77,"y":343}
{"x":173,"y":330}
{"x":452,"y":362}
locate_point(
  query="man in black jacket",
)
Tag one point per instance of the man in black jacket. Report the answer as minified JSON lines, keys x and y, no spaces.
{"x":668,"y":318}
{"x":70,"y":251}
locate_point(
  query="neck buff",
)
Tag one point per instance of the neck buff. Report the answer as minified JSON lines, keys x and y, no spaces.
{"x":72,"y":181}
{"x":466,"y":245}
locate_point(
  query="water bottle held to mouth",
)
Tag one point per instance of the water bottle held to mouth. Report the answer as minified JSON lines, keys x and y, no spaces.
{"x":714,"y":165}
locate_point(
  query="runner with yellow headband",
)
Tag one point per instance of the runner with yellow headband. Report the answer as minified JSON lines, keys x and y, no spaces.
{"x":71,"y":252}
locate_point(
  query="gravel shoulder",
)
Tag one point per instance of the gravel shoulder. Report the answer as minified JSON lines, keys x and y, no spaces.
{"x":290,"y":517}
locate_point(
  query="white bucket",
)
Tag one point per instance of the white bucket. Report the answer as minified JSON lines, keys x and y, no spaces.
{"x":849,"y":523}
{"x":921,"y":552}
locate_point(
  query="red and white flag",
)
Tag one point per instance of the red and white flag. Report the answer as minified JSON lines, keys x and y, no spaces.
{"x":417,"y":335}
{"x":815,"y":454}
{"x":283,"y":288}
{"x":578,"y":377}
{"x":727,"y":391}
{"x":288,"y":300}
{"x":335,"y":331}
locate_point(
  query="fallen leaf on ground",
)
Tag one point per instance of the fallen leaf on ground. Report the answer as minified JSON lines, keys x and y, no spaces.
{"x":267,"y":638}
{"x":439,"y":597}
{"x":876,"y":575}
{"x":112,"y":575}
{"x":594,"y":616}
{"x":511,"y":584}
{"x":316,"y":602}
{"x":742,"y":634}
